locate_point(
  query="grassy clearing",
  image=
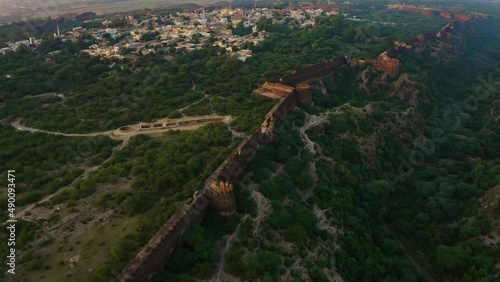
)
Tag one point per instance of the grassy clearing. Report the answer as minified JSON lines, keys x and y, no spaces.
{"x":93,"y":248}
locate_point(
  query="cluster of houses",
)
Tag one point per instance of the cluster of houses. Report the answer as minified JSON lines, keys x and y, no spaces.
{"x":233,"y":30}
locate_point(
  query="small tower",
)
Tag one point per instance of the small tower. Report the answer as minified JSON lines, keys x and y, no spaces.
{"x":304,"y":93}
{"x":221,"y":196}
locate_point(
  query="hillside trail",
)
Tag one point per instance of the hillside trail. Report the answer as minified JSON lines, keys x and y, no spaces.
{"x":264,"y":207}
{"x":22,"y":210}
{"x":315,"y":120}
{"x":124,"y":136}
{"x":18,"y":125}
{"x":418,"y":268}
{"x":181,"y":110}
{"x":51,"y":94}
{"x":221,"y":272}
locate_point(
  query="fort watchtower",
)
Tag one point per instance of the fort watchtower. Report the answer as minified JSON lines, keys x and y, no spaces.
{"x":389,"y":65}
{"x":304,"y":93}
{"x":221,"y":197}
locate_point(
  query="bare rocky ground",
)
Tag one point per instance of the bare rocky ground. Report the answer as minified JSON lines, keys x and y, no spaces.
{"x":490,"y":204}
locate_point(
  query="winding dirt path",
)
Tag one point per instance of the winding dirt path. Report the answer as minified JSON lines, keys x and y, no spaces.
{"x":226,"y":248}
{"x":21,"y":211}
{"x":190,"y":123}
{"x":192,"y":104}
{"x":312,"y":121}
{"x":420,"y":270}
{"x":264,"y":207}
{"x":51,"y":94}
{"x":18,"y":125}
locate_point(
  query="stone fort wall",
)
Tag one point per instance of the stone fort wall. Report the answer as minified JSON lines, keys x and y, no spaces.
{"x":316,"y":70}
{"x":217,"y":192}
{"x":390,"y":66}
{"x":426,"y":11}
{"x":388,"y":63}
{"x":154,"y":256}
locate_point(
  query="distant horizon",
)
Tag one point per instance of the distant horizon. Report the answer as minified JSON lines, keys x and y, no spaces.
{"x":21,"y":9}
{"x":14,"y":10}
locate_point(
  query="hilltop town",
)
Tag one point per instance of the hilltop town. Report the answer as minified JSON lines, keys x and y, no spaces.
{"x":234,"y":31}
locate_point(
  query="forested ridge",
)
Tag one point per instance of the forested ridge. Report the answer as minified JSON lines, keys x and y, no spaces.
{"x":349,"y":206}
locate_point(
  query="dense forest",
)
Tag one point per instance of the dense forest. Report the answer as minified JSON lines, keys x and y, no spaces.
{"x":439,"y":208}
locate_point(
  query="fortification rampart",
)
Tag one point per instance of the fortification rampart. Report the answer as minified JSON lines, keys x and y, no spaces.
{"x":234,"y":164}
{"x":278,"y":89}
{"x":389,"y":66}
{"x":154,"y":256}
{"x":386,"y":61}
{"x":316,"y":70}
{"x":426,"y":11}
{"x":219,"y":186}
{"x":218,"y":190}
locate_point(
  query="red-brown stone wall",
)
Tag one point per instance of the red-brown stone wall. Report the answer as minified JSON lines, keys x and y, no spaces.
{"x":316,"y":70}
{"x":389,"y":66}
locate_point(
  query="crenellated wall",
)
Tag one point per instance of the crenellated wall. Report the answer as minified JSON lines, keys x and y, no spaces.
{"x":278,"y":89}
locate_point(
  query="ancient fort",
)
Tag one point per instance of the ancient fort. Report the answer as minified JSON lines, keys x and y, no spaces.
{"x":291,"y":90}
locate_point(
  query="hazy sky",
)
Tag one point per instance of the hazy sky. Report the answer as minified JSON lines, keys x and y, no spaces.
{"x":15,"y":9}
